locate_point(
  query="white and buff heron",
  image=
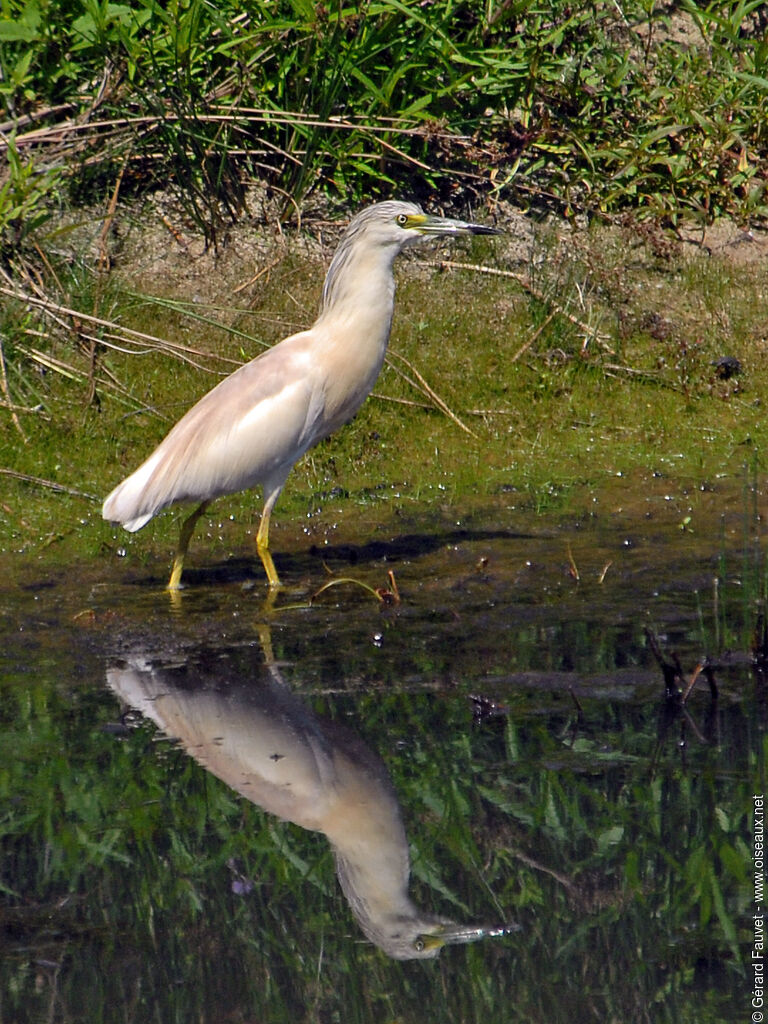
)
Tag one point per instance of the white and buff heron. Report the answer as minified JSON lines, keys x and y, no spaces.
{"x":253,"y":427}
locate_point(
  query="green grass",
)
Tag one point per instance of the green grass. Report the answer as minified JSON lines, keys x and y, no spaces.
{"x":600,"y":107}
{"x":556,"y":421}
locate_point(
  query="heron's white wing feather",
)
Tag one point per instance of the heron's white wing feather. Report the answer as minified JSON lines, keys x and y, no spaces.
{"x":249,"y":429}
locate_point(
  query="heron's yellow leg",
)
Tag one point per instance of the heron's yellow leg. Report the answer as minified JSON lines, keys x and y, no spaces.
{"x":262,"y":546}
{"x":187,"y":529}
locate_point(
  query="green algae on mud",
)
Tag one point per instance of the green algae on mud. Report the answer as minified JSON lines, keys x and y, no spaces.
{"x":637,"y":551}
{"x":628,"y":387}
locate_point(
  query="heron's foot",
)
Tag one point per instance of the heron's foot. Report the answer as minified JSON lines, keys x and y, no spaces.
{"x":269,"y":566}
{"x":174,"y":584}
{"x":185,"y":536}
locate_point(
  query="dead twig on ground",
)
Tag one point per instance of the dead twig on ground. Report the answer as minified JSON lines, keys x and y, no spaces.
{"x":51,"y":485}
{"x":426,"y":389}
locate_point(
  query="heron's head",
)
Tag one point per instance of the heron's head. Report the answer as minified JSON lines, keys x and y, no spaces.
{"x":400,"y":224}
{"x":376,"y":235}
{"x":422,"y":936}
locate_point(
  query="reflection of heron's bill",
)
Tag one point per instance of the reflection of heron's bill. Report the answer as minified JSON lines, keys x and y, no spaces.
{"x":455,"y":934}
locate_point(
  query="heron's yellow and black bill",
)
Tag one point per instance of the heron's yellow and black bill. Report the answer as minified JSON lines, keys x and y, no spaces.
{"x":426,"y":224}
{"x":456,"y":934}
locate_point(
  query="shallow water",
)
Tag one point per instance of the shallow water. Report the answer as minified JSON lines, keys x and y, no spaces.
{"x":510,"y":711}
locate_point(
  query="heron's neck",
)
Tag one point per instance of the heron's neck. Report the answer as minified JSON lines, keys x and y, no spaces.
{"x":364,"y":825}
{"x":360,"y":290}
{"x":376,"y":888}
{"x":353,"y":329}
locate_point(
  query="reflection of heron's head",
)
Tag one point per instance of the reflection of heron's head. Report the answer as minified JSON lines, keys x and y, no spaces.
{"x":419,"y":936}
{"x":399,"y":928}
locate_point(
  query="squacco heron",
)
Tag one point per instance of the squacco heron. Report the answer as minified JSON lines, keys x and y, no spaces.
{"x":260,"y":739}
{"x":253,"y":426}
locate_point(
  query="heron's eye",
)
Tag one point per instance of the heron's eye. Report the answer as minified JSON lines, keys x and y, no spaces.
{"x":418,"y":945}
{"x":402,"y":219}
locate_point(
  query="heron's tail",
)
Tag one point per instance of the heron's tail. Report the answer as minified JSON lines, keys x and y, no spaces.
{"x":129,"y":504}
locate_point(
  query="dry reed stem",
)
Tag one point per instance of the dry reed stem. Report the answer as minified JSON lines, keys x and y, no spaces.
{"x":6,"y":391}
{"x":70,"y":320}
{"x":105,"y":261}
{"x":427,"y":390}
{"x":536,"y":334}
{"x":73,"y":133}
{"x":264,"y":270}
{"x":38,"y":410}
{"x":57,"y":311}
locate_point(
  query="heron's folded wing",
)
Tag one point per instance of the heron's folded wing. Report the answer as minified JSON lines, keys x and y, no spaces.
{"x":248,"y":429}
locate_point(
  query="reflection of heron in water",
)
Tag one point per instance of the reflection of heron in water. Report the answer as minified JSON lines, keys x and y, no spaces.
{"x":264,"y":743}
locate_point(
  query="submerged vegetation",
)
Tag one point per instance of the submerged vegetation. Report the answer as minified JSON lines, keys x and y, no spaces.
{"x":607,"y":826}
